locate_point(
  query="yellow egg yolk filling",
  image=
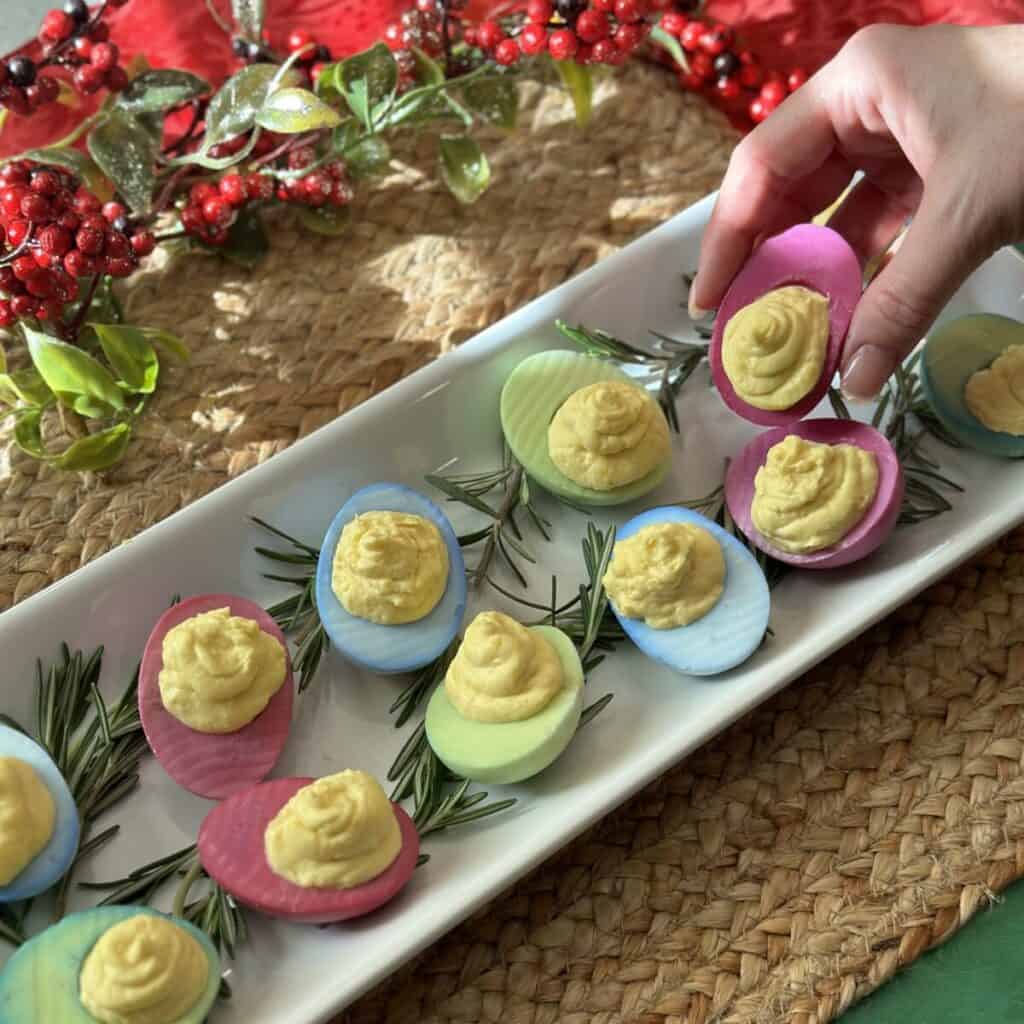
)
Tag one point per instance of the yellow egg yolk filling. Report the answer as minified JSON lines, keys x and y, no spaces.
{"x":502,"y":671}
{"x":808,"y":496}
{"x":773,"y":351}
{"x":27,"y":816}
{"x":143,"y":970}
{"x":607,"y":435}
{"x":335,"y":833}
{"x":390,"y":567}
{"x":995,"y":395}
{"x":219,"y":671}
{"x":668,"y":574}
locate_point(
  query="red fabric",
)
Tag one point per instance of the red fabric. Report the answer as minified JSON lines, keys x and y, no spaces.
{"x":181,"y":33}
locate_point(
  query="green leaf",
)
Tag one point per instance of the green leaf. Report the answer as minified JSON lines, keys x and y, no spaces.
{"x":580,"y":83}
{"x":28,"y":433}
{"x":428,"y":71}
{"x":233,"y":108}
{"x":247,"y":242}
{"x":494,"y":99}
{"x":125,"y":151}
{"x":24,"y":386}
{"x":670,"y":43}
{"x":97,"y":451}
{"x":131,"y":355}
{"x":464,"y":167}
{"x":291,"y":111}
{"x":74,"y":376}
{"x":367,"y":80}
{"x":249,"y":15}
{"x":169,"y":344}
{"x":160,"y":90}
{"x":326,"y":220}
{"x":370,"y":155}
{"x":73,"y":160}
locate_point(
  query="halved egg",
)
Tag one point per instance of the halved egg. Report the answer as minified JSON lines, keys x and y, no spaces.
{"x":583,"y":429}
{"x":779,"y":332}
{"x":43,"y":979}
{"x":972,"y":371}
{"x":215,"y":764}
{"x":233,"y":848}
{"x":510,"y":702}
{"x":824,"y":477}
{"x":727,"y":608}
{"x":394,"y":558}
{"x":33,"y":857}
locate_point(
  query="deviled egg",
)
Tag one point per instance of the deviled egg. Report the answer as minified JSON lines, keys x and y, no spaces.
{"x":391,"y":580}
{"x":216,"y":693}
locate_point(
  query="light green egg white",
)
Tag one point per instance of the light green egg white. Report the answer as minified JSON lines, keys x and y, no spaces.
{"x":533,"y":393}
{"x":506,"y":752}
{"x":39,"y":985}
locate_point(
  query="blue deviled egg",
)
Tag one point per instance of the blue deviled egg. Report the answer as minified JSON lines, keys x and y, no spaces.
{"x":391,"y":580}
{"x":38,"y":819}
{"x":106,"y":963}
{"x":686,"y":592}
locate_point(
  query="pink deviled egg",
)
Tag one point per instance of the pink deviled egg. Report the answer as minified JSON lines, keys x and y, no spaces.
{"x":809,"y":259}
{"x":215,"y":764}
{"x":233,"y":848}
{"x":820,"y":487}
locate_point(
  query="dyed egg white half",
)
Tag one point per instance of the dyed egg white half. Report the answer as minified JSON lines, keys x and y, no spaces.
{"x":952,"y":354}
{"x":410,"y":645}
{"x":507,"y":752}
{"x":734,"y":628}
{"x":866,"y":536}
{"x":50,"y":864}
{"x":40,"y":984}
{"x":535,"y":390}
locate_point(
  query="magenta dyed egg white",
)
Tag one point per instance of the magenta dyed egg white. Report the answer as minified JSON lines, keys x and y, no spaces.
{"x":231,"y":849}
{"x":808,"y":255}
{"x":213,"y":765}
{"x":867,"y":535}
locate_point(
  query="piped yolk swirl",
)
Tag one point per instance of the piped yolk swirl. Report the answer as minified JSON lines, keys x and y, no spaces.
{"x":27,"y":816}
{"x":995,"y":396}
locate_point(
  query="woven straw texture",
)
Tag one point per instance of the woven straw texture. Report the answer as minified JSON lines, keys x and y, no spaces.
{"x":785,"y":869}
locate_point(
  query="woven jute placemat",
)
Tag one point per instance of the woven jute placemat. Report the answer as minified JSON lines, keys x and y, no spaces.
{"x":785,"y":869}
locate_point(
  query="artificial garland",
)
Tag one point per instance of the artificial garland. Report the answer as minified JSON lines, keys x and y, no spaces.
{"x":167,"y":160}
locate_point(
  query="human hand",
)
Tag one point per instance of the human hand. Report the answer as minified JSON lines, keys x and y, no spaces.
{"x":934,"y":117}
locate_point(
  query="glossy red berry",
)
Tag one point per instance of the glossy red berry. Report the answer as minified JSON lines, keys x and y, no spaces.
{"x":70,"y":220}
{"x":728,"y":88}
{"x":35,"y":208}
{"x":24,"y":306}
{"x":750,"y":75}
{"x":40,"y":284}
{"x":104,"y":56}
{"x":426,"y":6}
{"x":690,"y":36}
{"x":56,"y":27}
{"x":717,"y":39}
{"x":216,"y":212}
{"x":90,"y":241}
{"x":394,"y":35}
{"x":562,"y":44}
{"x":120,"y":267}
{"x":15,"y":173}
{"x":298,"y":39}
{"x":603,"y":52}
{"x":627,"y":10}
{"x":772,"y":94}
{"x":489,"y":34}
{"x":702,"y":65}
{"x":54,"y":240}
{"x":112,"y":210}
{"x":117,"y":79}
{"x":533,"y":39}
{"x":673,"y":22}
{"x":259,"y":186}
{"x":757,"y":110}
{"x":95,"y":222}
{"x":89,"y":79}
{"x":506,"y":52}
{"x":44,"y":183}
{"x":628,"y":37}
{"x":232,"y":189}
{"x":690,"y":80}
{"x":24,"y":267}
{"x":117,"y":246}
{"x":192,"y":219}
{"x":539,"y":11}
{"x":200,"y":192}
{"x":17,"y":231}
{"x":100,"y":32}
{"x":592,"y":26}
{"x":7,"y":316}
{"x":10,"y":200}
{"x":301,"y":158}
{"x":796,"y":78}
{"x":341,"y":193}
{"x":50,"y":309}
{"x":82,"y":47}
{"x":143,"y":243}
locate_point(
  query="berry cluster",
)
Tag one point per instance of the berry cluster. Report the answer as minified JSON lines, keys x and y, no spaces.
{"x":423,"y":27}
{"x":54,"y":231}
{"x":313,"y":59}
{"x":72,"y":40}
{"x":211,"y":208}
{"x":715,"y":63}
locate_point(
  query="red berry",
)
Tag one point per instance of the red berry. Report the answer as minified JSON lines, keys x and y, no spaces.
{"x":232,"y":189}
{"x":426,"y":6}
{"x":117,"y":79}
{"x":341,"y":193}
{"x":702,"y":65}
{"x":74,"y":263}
{"x":42,"y":92}
{"x":120,"y":267}
{"x":17,"y":231}
{"x":56,"y":27}
{"x":90,"y":241}
{"x":489,"y":34}
{"x":748,"y":57}
{"x":24,"y":305}
{"x":469,"y":35}
{"x":562,"y":44}
{"x":298,"y":39}
{"x":673,"y":22}
{"x":690,"y":36}
{"x":35,"y":207}
{"x":10,"y":200}
{"x":86,"y":203}
{"x":143,"y":243}
{"x":539,"y":11}
{"x":605,"y":6}
{"x":691,"y":80}
{"x":603,"y":52}
{"x":259,"y":186}
{"x":750,"y":76}
{"x":772,"y":94}
{"x":534,"y":38}
{"x":192,"y":219}
{"x":627,"y":10}
{"x":216,"y":212}
{"x":95,"y":222}
{"x":8,"y":282}
{"x":24,"y":267}
{"x":301,"y":158}
{"x":82,"y":47}
{"x":795,"y":79}
{"x":104,"y":56}
{"x":757,"y":110}
{"x":45,"y":183}
{"x":111,"y":211}
{"x":336,"y":169}
{"x":40,"y":284}
{"x":716,"y":40}
{"x":89,"y":79}
{"x":628,"y":38}
{"x":70,"y":221}
{"x":592,"y":26}
{"x":51,"y":309}
{"x":100,"y":32}
{"x":728,"y":88}
{"x":117,"y":246}
{"x":65,"y":287}
{"x":202,"y":191}
{"x":15,"y":173}
{"x":506,"y":52}
{"x":54,"y":240}
{"x":393,"y":35}
{"x":7,"y":316}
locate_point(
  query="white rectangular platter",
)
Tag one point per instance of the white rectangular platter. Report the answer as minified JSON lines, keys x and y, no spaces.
{"x":297,"y":975}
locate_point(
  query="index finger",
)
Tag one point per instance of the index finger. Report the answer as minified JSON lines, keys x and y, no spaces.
{"x":784,"y":172}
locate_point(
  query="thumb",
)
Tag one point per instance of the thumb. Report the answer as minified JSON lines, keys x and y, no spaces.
{"x":906,"y":296}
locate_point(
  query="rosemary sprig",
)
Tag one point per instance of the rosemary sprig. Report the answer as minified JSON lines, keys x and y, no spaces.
{"x":670,"y":362}
{"x":503,"y":536}
{"x":297,"y":615}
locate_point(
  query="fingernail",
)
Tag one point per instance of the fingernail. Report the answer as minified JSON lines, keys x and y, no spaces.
{"x":696,"y":312}
{"x":868,"y":369}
